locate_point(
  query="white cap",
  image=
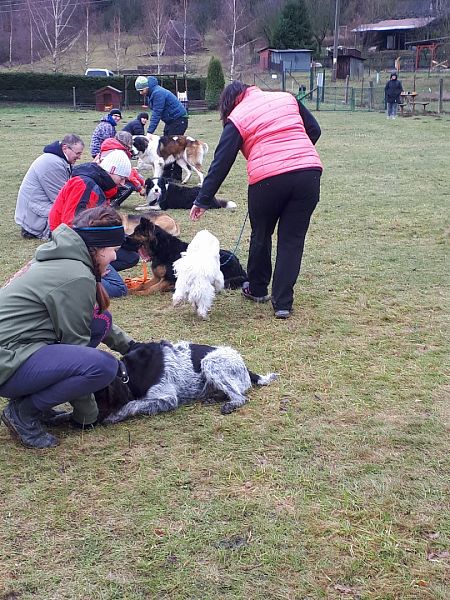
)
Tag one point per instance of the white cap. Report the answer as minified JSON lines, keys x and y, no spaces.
{"x":117,"y":162}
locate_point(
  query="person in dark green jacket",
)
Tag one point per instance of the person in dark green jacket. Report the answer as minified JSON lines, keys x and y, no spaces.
{"x":53,"y":314}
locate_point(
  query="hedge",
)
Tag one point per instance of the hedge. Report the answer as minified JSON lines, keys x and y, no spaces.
{"x":43,"y":87}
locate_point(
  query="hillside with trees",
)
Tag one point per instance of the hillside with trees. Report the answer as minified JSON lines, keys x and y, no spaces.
{"x":72,"y":35}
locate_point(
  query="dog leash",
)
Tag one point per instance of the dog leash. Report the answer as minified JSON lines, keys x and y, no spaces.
{"x":233,"y":253}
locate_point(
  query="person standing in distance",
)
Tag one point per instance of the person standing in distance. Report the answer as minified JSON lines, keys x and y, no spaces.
{"x":392,"y":92}
{"x":165,"y":107}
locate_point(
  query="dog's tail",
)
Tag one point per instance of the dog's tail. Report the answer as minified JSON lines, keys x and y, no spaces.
{"x":225,"y":204}
{"x":262,"y":379}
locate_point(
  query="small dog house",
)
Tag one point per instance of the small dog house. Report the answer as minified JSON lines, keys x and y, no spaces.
{"x":108,"y":97}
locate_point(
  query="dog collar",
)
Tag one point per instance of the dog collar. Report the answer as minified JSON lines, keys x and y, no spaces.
{"x":122,"y":372}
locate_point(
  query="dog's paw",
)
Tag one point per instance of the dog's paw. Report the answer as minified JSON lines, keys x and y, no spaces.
{"x":228,"y":408}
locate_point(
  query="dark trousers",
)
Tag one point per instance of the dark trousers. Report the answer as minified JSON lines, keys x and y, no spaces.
{"x":288,"y":199}
{"x":177,"y":127}
{"x":60,"y":373}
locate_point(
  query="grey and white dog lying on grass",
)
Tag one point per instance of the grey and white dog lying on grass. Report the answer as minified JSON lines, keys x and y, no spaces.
{"x":162,"y":376}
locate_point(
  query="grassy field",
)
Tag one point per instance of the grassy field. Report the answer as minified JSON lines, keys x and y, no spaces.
{"x":333,"y":483}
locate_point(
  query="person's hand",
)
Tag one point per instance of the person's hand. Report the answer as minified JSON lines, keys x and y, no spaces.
{"x":196,"y":213}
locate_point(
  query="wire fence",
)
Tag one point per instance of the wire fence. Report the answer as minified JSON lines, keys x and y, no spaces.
{"x":424,"y":94}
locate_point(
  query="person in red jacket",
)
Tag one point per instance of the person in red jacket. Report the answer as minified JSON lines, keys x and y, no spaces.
{"x":135,"y":182}
{"x":91,"y":184}
{"x":276,"y":134}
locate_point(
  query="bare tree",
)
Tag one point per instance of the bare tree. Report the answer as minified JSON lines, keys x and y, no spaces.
{"x":30,"y":21}
{"x":87,"y":48}
{"x":321,"y":17}
{"x":10,"y":33}
{"x":56,"y":27}
{"x":185,"y":7}
{"x":157,"y":19}
{"x":235,"y":22}
{"x":115,"y":43}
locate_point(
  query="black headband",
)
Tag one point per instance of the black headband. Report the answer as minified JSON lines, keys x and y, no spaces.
{"x":101,"y":237}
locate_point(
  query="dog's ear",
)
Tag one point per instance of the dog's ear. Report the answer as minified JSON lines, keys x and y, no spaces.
{"x":111,"y":398}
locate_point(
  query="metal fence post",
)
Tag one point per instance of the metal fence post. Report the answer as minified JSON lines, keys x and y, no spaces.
{"x":352,"y":99}
{"x":441,"y":96}
{"x":370,"y":95}
{"x":74,"y":98}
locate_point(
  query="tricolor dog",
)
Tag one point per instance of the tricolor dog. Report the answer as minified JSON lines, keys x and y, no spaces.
{"x":186,"y":151}
{"x":164,"y":195}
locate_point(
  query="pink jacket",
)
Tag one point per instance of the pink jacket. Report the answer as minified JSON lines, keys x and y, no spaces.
{"x":274,"y":138}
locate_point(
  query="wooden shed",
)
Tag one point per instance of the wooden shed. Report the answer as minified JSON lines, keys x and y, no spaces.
{"x":108,"y":97}
{"x":350,"y":66}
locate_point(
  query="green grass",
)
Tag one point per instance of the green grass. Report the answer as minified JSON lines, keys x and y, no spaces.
{"x":330,"y":484}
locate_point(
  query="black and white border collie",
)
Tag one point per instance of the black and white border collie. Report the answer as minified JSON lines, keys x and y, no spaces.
{"x":164,"y":195}
{"x":162,"y":376}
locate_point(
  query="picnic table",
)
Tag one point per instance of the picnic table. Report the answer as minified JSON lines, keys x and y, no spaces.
{"x":408,"y":102}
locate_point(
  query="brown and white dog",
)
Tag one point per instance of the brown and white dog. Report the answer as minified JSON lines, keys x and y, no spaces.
{"x":157,"y":152}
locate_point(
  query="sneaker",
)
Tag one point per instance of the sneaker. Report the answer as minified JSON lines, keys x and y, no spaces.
{"x":282,"y":314}
{"x":27,"y":235}
{"x":246,"y":293}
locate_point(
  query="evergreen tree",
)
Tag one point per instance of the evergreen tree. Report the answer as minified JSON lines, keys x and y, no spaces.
{"x":293,"y":29}
{"x":215,"y":82}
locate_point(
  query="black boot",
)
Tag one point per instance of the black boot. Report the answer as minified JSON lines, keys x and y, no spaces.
{"x":122,"y":194}
{"x":54,"y":417}
{"x":21,"y":417}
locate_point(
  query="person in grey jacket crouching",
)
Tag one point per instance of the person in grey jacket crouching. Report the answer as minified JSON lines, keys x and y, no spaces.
{"x":41,"y":184}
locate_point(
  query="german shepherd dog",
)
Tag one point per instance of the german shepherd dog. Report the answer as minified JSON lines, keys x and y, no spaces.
{"x":163,"y":249}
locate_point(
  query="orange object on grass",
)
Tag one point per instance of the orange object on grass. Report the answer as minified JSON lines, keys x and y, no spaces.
{"x":133,"y":283}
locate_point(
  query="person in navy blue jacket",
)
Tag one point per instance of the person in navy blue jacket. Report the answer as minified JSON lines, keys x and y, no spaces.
{"x":137,"y":125}
{"x":167,"y":108}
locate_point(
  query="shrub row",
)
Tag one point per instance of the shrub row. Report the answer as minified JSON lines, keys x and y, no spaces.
{"x":43,"y":87}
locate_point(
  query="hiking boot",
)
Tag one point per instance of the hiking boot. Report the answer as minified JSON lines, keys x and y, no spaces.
{"x":247,"y":294}
{"x":21,"y":417}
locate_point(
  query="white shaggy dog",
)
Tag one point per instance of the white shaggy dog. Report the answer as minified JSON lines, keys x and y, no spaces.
{"x":198,"y":273}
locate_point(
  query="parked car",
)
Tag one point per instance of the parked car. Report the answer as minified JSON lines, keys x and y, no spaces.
{"x":99,"y":73}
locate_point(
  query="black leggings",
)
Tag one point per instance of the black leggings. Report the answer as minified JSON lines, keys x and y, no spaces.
{"x":288,"y":199}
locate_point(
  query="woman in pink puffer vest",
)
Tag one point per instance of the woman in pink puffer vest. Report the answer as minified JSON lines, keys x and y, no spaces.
{"x":276,"y":134}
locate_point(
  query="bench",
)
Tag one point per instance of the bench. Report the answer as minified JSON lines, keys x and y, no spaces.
{"x":424,"y":104}
{"x":197,"y":106}
{"x":402,"y":106}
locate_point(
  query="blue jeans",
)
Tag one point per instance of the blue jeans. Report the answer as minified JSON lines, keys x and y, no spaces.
{"x":114,"y":284}
{"x":392,"y":108}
